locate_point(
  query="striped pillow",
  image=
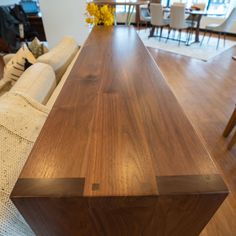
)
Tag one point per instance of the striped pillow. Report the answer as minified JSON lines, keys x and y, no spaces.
{"x":18,"y":64}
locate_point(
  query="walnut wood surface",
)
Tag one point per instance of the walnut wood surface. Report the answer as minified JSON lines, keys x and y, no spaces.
{"x":207,"y":93}
{"x":116,"y":122}
{"x":117,"y":125}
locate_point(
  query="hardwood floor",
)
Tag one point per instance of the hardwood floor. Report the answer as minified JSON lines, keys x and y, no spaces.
{"x":207,"y":93}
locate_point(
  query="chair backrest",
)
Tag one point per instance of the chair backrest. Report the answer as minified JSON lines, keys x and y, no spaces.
{"x":144,"y":13}
{"x":179,"y":4}
{"x":156,"y":14}
{"x":228,"y":21}
{"x":177,"y":16}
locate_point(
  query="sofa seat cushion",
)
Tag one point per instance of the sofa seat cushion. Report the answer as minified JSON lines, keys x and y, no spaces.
{"x":60,"y":56}
{"x":38,"y":82}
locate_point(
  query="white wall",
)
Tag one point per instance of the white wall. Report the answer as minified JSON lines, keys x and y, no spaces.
{"x":8,"y":2}
{"x":64,"y":17}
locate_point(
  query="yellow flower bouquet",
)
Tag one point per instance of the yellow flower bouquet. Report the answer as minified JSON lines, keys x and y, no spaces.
{"x":99,"y":15}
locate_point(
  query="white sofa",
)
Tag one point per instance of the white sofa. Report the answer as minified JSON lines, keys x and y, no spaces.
{"x":38,"y":82}
{"x":23,"y":111}
{"x":60,"y":56}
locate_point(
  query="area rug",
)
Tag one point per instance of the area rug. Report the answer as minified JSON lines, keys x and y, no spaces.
{"x":203,"y":52}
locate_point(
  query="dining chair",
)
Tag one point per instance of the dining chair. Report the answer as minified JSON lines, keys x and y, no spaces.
{"x":157,"y":19}
{"x":177,"y":21}
{"x":145,"y":16}
{"x":229,"y":127}
{"x":179,"y":4}
{"x":220,"y":28}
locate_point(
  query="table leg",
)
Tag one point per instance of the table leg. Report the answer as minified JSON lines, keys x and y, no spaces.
{"x":137,"y":15}
{"x":128,"y":13}
{"x":115,"y":16}
{"x":199,"y":17}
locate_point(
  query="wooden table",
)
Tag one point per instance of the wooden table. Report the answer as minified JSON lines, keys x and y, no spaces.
{"x":132,"y":4}
{"x":196,"y":16}
{"x":117,"y":155}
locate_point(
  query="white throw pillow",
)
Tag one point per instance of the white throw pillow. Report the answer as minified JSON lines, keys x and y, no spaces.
{"x":37,"y":82}
{"x":60,"y":56}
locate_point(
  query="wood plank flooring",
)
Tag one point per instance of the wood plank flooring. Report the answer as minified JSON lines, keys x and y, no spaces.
{"x":207,"y":93}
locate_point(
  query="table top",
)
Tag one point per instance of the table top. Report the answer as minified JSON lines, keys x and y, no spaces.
{"x":121,"y":2}
{"x":116,"y":123}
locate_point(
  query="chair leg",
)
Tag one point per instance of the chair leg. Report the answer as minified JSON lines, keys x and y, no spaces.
{"x":203,"y":37}
{"x":230,"y":125}
{"x":173,"y":35}
{"x":151,"y":32}
{"x":189,"y":35}
{"x":157,"y":31}
{"x":192,"y":33}
{"x":180,"y":32}
{"x":168,"y":36}
{"x":146,"y":27}
{"x":224,"y":38}
{"x":232,"y":141}
{"x":161,"y":34}
{"x":218,"y":41}
{"x":209,"y":37}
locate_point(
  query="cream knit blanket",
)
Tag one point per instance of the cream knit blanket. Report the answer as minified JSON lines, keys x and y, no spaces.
{"x":21,"y":120}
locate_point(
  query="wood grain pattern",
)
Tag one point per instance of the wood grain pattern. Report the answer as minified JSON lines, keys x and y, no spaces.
{"x":207,"y":93}
{"x":192,"y":184}
{"x":184,"y":203}
{"x":119,"y":126}
{"x":49,"y":187}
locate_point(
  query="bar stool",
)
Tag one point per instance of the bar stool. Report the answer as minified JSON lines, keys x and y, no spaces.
{"x":229,"y":127}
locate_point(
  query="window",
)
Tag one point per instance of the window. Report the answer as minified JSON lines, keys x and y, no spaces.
{"x":212,"y":6}
{"x":218,"y":6}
